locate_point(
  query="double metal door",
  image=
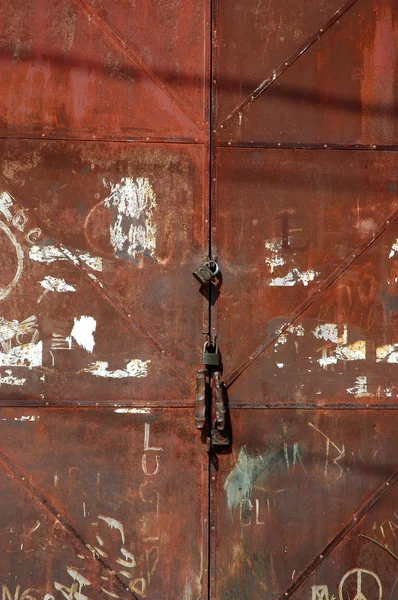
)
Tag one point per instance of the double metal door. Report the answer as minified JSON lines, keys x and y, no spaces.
{"x":138,"y":141}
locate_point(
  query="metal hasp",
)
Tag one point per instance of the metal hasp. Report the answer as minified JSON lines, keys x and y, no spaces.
{"x":200,"y":399}
{"x":220,"y":435}
{"x":207,"y":272}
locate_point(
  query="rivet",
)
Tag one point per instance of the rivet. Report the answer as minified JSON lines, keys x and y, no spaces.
{"x":279,"y":144}
{"x":213,"y":478}
{"x":214,"y":80}
{"x":229,"y":143}
{"x":321,"y":556}
{"x":321,"y":30}
{"x":96,"y":404}
{"x":374,"y":146}
{"x":286,"y":64}
{"x":221,"y":126}
{"x":387,"y":483}
{"x":252,"y":98}
{"x":325,"y":145}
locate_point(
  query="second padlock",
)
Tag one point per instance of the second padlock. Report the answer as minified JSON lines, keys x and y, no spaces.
{"x":210,"y":355}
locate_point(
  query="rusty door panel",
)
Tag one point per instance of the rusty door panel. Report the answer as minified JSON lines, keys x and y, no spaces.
{"x":365,"y":559}
{"x":170,"y":45}
{"x":293,"y":486}
{"x":341,"y":90}
{"x":342,"y":348}
{"x":287,"y":220}
{"x":130,"y":265}
{"x":99,"y":504}
{"x":245,"y":32}
{"x":66,"y":73}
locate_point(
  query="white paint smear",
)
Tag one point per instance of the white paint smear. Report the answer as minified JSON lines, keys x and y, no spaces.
{"x":295,"y":276}
{"x":394,"y":249}
{"x":9,"y":379}
{"x":54,"y":284}
{"x":83,"y":331}
{"x":134,"y":368}
{"x":27,"y":355}
{"x":145,"y":411}
{"x":388,"y":353}
{"x":132,"y":231}
{"x":50,"y":254}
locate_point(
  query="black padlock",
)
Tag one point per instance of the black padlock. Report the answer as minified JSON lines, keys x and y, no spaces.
{"x":210,"y":359}
{"x":206,"y":272}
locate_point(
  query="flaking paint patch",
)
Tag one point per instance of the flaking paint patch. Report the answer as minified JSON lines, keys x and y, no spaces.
{"x":50,"y":254}
{"x":134,"y":368}
{"x":360,"y":389}
{"x":26,"y":355}
{"x":11,"y":329}
{"x":55,"y":284}
{"x":293,"y":277}
{"x":387,"y":353}
{"x":83,"y":332}
{"x":144,"y":411}
{"x":5,"y":205}
{"x":132,"y":230}
{"x":332,"y":332}
{"x":394,"y":249}
{"x":10,"y":379}
{"x":354,"y":351}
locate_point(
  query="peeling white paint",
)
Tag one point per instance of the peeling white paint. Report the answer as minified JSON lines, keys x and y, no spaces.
{"x":13,"y":329}
{"x":82,"y":332}
{"x":394,"y":249}
{"x":297,"y":329}
{"x":27,"y":355}
{"x":55,"y":284}
{"x":281,"y":339}
{"x":280,"y":365}
{"x":50,"y":254}
{"x":132,"y":230}
{"x":387,"y":353}
{"x":295,"y":276}
{"x":361,"y":387}
{"x":273,"y":246}
{"x":332,"y":332}
{"x":326,"y":360}
{"x":9,"y":379}
{"x":145,"y":411}
{"x":134,"y":368}
{"x":354,"y":351}
{"x":5,"y":205}
{"x":27,"y":418}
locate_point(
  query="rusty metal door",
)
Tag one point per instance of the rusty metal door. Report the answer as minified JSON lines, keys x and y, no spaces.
{"x":103,"y":201}
{"x":305,"y":204}
{"x":137,"y":140}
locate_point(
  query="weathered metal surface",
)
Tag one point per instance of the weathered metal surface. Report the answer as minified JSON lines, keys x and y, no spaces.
{"x":132,"y":217}
{"x":343,"y":89}
{"x":290,"y":222}
{"x":254,"y":38}
{"x":95,"y":504}
{"x":66,"y":72}
{"x":296,"y":487}
{"x":343,"y":347}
